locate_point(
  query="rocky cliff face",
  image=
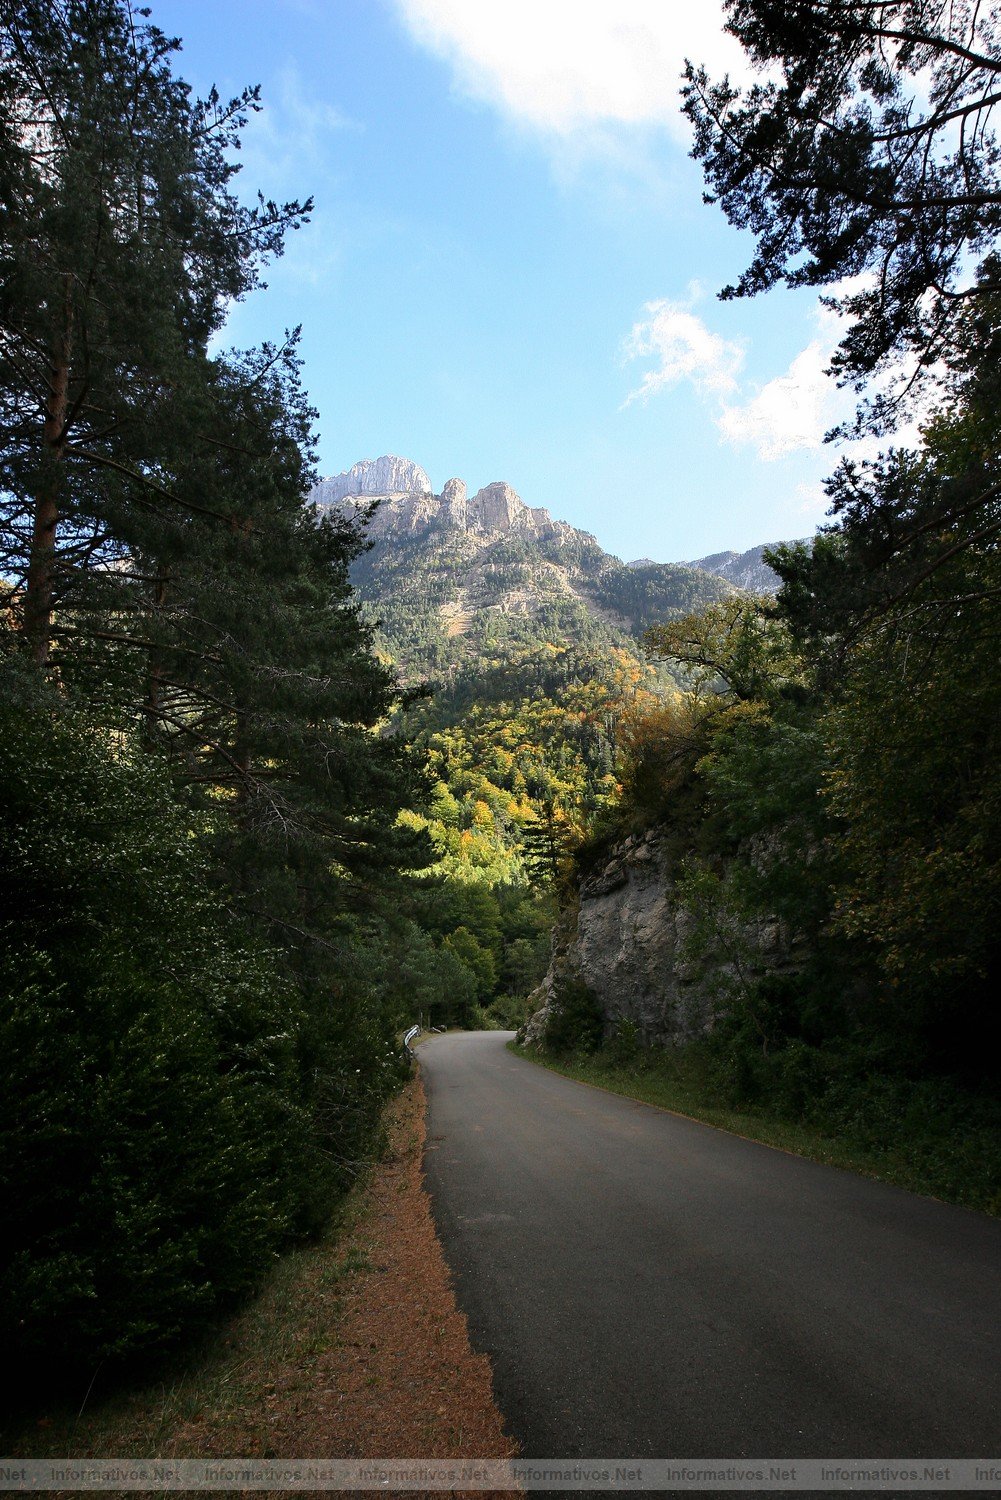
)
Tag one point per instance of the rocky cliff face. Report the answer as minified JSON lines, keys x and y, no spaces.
{"x":373,"y":477}
{"x":407,"y":505}
{"x":627,"y":941}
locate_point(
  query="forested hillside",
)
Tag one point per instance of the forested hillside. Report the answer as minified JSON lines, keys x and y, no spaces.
{"x":524,"y":635}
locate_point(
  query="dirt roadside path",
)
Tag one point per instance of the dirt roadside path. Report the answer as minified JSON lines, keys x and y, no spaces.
{"x":400,"y":1378}
{"x":356,"y":1349}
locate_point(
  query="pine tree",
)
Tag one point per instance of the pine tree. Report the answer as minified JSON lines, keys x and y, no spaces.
{"x":867,"y":148}
{"x":546,"y":843}
{"x":162,"y":565}
{"x":121,"y":244}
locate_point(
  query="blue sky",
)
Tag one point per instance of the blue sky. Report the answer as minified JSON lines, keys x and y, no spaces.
{"x":510,"y":273}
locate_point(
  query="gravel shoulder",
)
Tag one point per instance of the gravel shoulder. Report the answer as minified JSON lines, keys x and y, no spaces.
{"x":355,"y":1349}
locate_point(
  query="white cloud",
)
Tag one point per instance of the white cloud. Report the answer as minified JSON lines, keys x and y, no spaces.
{"x":788,"y":414}
{"x":792,"y":412}
{"x":563,"y":67}
{"x":683,"y":349}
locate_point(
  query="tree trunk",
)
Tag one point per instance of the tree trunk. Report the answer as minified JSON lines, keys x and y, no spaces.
{"x":152,"y":708}
{"x":241,"y":755}
{"x":42,"y":563}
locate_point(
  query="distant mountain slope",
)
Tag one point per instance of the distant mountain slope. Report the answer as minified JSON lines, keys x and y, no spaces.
{"x":745,"y":570}
{"x":462,"y":582}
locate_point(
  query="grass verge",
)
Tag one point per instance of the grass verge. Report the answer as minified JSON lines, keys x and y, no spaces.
{"x":937,"y":1158}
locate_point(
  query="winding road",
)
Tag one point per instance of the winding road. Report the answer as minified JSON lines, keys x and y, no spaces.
{"x":650,"y":1287}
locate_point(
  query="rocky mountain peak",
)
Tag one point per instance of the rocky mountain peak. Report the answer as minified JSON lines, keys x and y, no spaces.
{"x":389,"y":475}
{"x":409,"y":506}
{"x":496,"y":507}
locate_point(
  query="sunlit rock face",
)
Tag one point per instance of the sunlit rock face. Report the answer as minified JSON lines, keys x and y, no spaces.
{"x":388,"y":475}
{"x":406,"y":504}
{"x":453,"y":503}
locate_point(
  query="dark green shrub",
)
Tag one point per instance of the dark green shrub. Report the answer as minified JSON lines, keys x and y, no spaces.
{"x":624,"y":1047}
{"x":508,"y":1012}
{"x":153,"y":1152}
{"x":576,"y":1021}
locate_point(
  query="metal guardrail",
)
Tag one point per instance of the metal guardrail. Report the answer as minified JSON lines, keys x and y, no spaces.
{"x":414,"y":1032}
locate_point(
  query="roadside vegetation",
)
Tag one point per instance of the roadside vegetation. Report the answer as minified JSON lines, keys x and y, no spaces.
{"x":210,"y":923}
{"x":830,"y":786}
{"x":353,"y":1346}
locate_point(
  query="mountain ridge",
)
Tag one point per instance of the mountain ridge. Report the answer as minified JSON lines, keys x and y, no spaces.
{"x":745,"y":570}
{"x":456,"y":579}
{"x":406,"y":504}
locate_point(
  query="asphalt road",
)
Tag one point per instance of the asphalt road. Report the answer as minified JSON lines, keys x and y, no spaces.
{"x":650,"y":1287}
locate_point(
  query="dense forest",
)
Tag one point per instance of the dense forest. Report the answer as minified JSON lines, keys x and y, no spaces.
{"x":238,"y":857}
{"x":209,"y":940}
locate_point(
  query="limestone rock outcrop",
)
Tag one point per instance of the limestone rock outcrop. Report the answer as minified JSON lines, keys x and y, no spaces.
{"x":388,"y":475}
{"x":406,"y":504}
{"x":627,"y":940}
{"x":453,"y":503}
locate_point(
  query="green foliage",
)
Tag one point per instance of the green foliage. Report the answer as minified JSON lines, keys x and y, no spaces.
{"x":546,"y":843}
{"x":576,"y":1021}
{"x":152,"y":1135}
{"x":896,"y":610}
{"x":916,"y":780}
{"x":845,"y":160}
{"x":521,"y":755}
{"x":486,"y":945}
{"x":525,"y":962}
{"x":659,"y":747}
{"x":205,"y":842}
{"x":473,"y":956}
{"x":624,"y":1045}
{"x":737,"y":645}
{"x":850,"y":157}
{"x":508,"y":1012}
{"x":121,"y":247}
